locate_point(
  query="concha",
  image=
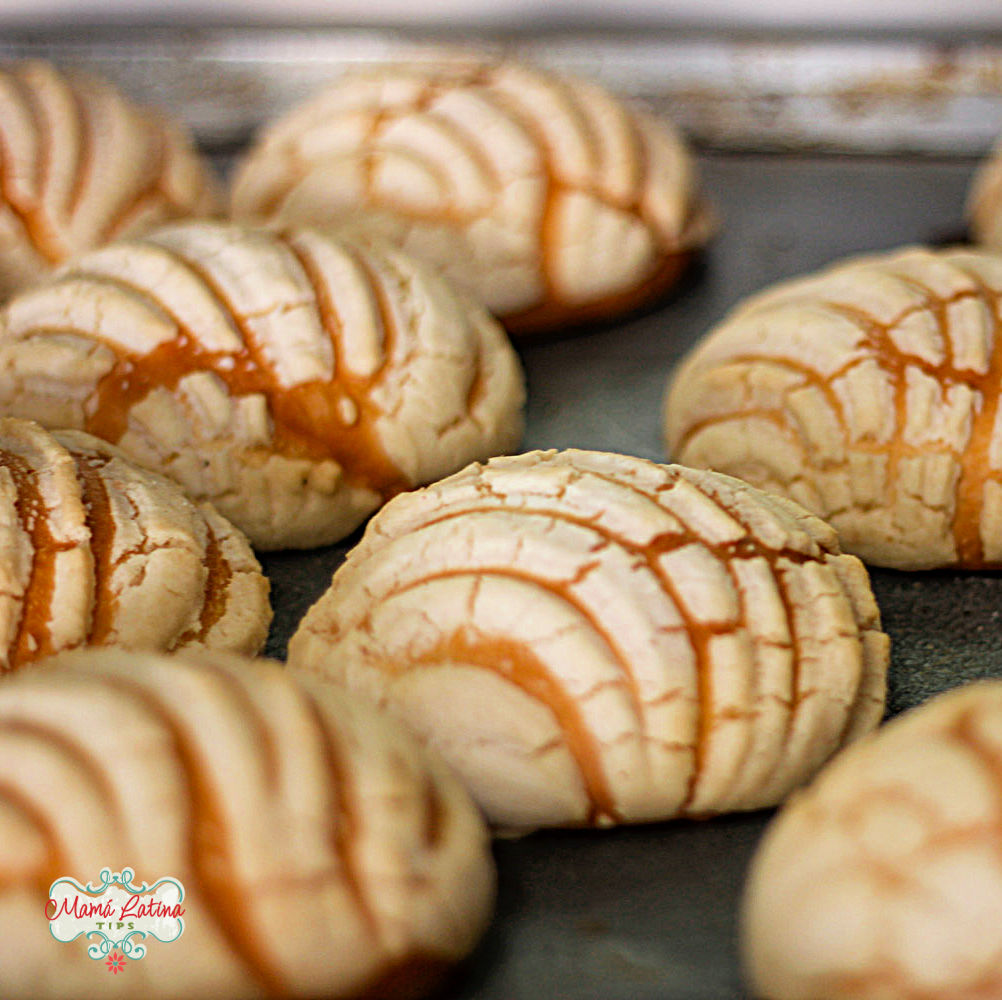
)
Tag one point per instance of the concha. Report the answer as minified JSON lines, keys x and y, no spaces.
{"x":95,"y":550}
{"x":544,"y":195}
{"x":321,"y":853}
{"x":294,"y":379}
{"x":84,"y":165}
{"x":883,"y":879}
{"x":868,"y":393}
{"x":984,"y":201}
{"x":593,"y":639}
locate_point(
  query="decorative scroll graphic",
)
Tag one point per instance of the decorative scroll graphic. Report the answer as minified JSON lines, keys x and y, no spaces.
{"x":116,"y":917}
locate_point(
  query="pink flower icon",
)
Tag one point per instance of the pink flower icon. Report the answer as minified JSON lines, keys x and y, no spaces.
{"x":115,"y":963}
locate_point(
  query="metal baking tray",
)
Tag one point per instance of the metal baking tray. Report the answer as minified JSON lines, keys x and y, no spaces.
{"x":810,"y":149}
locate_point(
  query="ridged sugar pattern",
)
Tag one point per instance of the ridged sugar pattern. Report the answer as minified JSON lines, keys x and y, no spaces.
{"x":97,"y":551}
{"x":294,"y":379}
{"x":593,"y":639}
{"x":884,"y":878}
{"x":544,"y":195}
{"x":321,"y":854}
{"x":869,"y":393}
{"x":81,"y":166}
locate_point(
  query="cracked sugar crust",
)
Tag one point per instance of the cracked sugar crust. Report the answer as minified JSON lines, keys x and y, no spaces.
{"x":545,"y":196}
{"x":296,"y":380}
{"x":869,"y":393}
{"x":884,"y":878}
{"x":97,"y":551}
{"x":82,"y":166}
{"x":322,"y":852}
{"x":593,"y":639}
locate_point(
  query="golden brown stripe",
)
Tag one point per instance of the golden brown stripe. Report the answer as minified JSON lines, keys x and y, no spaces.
{"x":101,"y":524}
{"x":33,"y":639}
{"x":209,"y":848}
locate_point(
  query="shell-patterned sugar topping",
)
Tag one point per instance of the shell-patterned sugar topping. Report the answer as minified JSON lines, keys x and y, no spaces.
{"x":83,"y":165}
{"x":322,"y":854}
{"x":593,"y":639}
{"x":544,"y":195}
{"x":869,"y":393}
{"x":883,"y":879}
{"x":97,"y":551}
{"x":295,"y":379}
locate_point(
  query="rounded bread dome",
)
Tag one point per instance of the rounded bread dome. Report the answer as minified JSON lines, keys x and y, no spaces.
{"x":868,"y":393}
{"x":83,"y":165}
{"x":594,"y":639}
{"x":984,"y":201}
{"x":294,"y":379}
{"x":95,"y":550}
{"x":544,"y":195}
{"x":321,"y":852}
{"x":883,"y":878}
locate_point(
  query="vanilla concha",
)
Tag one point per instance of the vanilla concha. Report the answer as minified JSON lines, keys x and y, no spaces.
{"x":869,"y":393}
{"x":883,"y":879}
{"x":294,"y":379}
{"x":592,"y":639}
{"x":83,"y":165}
{"x":544,"y":195}
{"x":95,"y":550}
{"x":320,"y":852}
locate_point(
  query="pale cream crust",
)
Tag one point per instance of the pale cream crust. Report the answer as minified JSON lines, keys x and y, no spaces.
{"x":595,"y":639}
{"x":543,"y":195}
{"x":95,"y":550}
{"x":296,"y":380}
{"x":984,"y":201}
{"x":883,"y":879}
{"x":83,"y":165}
{"x":869,"y":393}
{"x":322,"y":853}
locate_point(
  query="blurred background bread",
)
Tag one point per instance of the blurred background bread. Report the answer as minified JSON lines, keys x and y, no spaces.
{"x":883,"y":878}
{"x":545,"y":196}
{"x":84,"y":165}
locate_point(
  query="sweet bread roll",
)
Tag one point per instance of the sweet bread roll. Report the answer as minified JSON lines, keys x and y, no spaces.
{"x":884,"y":878}
{"x":595,"y":639}
{"x":984,"y":201}
{"x":97,"y":551}
{"x":544,"y":195}
{"x":321,"y":853}
{"x":869,"y":393}
{"x":83,"y":165}
{"x":295,"y":380}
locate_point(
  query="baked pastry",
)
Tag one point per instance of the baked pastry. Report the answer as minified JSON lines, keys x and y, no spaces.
{"x":883,"y":879}
{"x":984,"y":201}
{"x":321,"y":853}
{"x":97,"y":551}
{"x":295,"y":380}
{"x":595,"y":639}
{"x":543,"y":195}
{"x":83,"y":165}
{"x":869,"y":393}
